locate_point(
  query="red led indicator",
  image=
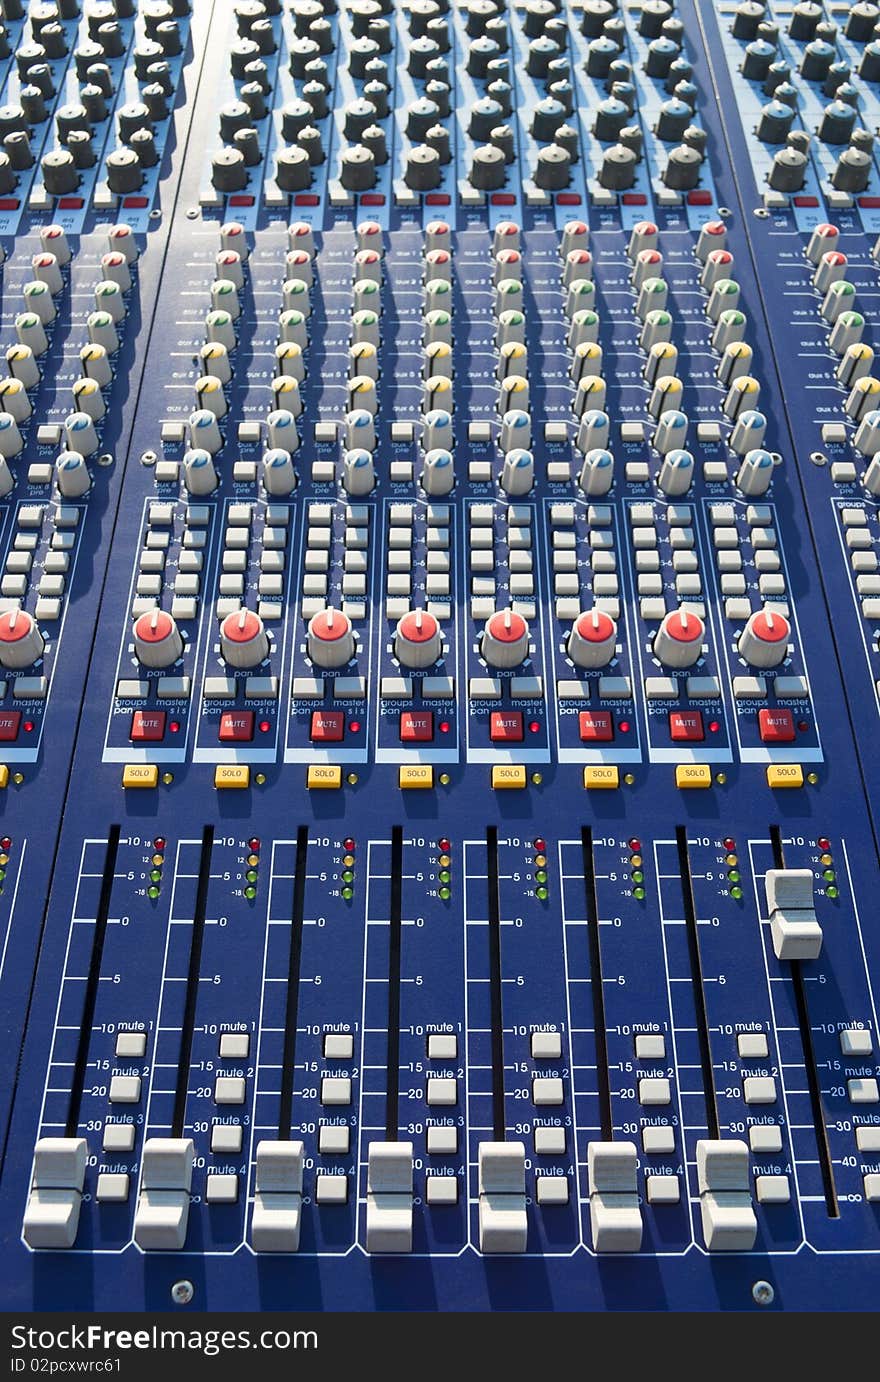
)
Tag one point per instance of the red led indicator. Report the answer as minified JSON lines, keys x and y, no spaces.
{"x":714,"y":726}
{"x":540,"y":845}
{"x":803,"y":726}
{"x":355,"y":726}
{"x":174,"y":727}
{"x":28,"y":726}
{"x":445,"y":726}
{"x":6,"y":842}
{"x":635,"y":845}
{"x":624,"y":726}
{"x":444,"y":846}
{"x":254,"y":844}
{"x":729,"y":843}
{"x":348,"y":844}
{"x":265,"y":726}
{"x":534,"y":727}
{"x":823,"y":843}
{"x":159,"y":842}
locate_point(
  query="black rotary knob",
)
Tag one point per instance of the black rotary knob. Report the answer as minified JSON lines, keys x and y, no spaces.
{"x":228,"y":170}
{"x":356,"y":117}
{"x":618,"y":171}
{"x":548,"y":115}
{"x":485,"y":115}
{"x":853,"y":171}
{"x":295,"y":116}
{"x":79,"y":142}
{"x":788,"y":170}
{"x":357,"y":171}
{"x":438,"y":139}
{"x":488,"y":169}
{"x":293,"y":171}
{"x":746,"y":19}
{"x":123,"y":171}
{"x":17,"y":147}
{"x":682,"y":172}
{"x":374,"y":139}
{"x":59,"y":172}
{"x":422,"y":172}
{"x":420,"y":116}
{"x":234,"y":116}
{"x":553,"y":168}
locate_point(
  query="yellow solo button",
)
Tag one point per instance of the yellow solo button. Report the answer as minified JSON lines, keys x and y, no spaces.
{"x":508,"y":776}
{"x":4,"y":775}
{"x":693,"y":775}
{"x":415,"y":775}
{"x":785,"y":775}
{"x":139,"y":775}
{"x":601,"y":775}
{"x":324,"y":777}
{"x":232,"y":775}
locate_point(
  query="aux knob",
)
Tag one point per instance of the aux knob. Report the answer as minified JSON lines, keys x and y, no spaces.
{"x":593,"y":639}
{"x":330,"y":639}
{"x":418,"y":642}
{"x":157,"y":640}
{"x":505,"y":640}
{"x":21,"y":642}
{"x":678,"y":642}
{"x":243,"y":639}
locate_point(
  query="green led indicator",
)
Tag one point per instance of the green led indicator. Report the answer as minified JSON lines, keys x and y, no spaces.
{"x":736,"y":892}
{"x":542,"y":893}
{"x":250,"y":893}
{"x":639,"y":894}
{"x":734,"y":876}
{"x":251,"y":876}
{"x":348,"y":894}
{"x":446,"y":894}
{"x":832,"y":891}
{"x":829,"y":875}
{"x":638,"y":876}
{"x":347,"y":876}
{"x":541,"y":876}
{"x":153,"y":893}
{"x":445,"y":875}
{"x":155,"y":875}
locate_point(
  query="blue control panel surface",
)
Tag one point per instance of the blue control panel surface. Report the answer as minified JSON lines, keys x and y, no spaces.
{"x":439,"y":615}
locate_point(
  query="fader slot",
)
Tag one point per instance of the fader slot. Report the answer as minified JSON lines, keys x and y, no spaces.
{"x":826,"y":1163}
{"x":291,"y":1008}
{"x":600,"y":1032}
{"x":178,"y":1120}
{"x":80,"y":1069}
{"x":693,"y":937}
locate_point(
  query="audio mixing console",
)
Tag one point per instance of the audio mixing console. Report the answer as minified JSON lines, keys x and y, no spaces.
{"x":439,"y":654}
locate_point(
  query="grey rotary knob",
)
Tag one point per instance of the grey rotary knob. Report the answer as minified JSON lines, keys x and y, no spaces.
{"x":418,"y":641}
{"x":21,"y":642}
{"x":593,"y":639}
{"x":678,"y":642}
{"x":243,"y":639}
{"x":505,"y":640}
{"x":330,"y":639}
{"x":157,"y":640}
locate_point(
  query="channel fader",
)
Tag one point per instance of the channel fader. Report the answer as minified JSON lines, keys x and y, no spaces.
{"x":440,"y":647}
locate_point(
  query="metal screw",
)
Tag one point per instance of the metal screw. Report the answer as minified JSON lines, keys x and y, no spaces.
{"x":724,"y":212}
{"x":148,"y":458}
{"x":761,"y":212}
{"x":155,"y":214}
{"x":762,"y":1293}
{"x":818,"y":458}
{"x":192,"y":213}
{"x":182,"y":1292}
{"x":105,"y":459}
